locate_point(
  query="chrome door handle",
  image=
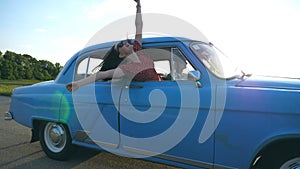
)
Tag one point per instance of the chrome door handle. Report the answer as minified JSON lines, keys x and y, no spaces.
{"x":133,"y":87}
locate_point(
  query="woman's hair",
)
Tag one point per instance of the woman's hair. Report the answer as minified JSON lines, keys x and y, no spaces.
{"x":111,"y":60}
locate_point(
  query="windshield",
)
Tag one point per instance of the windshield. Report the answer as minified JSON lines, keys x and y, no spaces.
{"x":214,"y":60}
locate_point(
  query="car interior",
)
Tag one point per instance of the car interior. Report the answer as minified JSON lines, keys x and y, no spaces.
{"x":167,"y":61}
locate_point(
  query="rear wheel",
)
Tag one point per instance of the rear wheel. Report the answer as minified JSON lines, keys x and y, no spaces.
{"x":55,"y":140}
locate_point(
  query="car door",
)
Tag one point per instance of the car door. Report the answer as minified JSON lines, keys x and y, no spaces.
{"x":95,"y":105}
{"x":165,"y":118}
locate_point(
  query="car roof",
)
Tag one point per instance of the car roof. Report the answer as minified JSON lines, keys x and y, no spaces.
{"x":148,"y":40}
{"x":145,"y":41}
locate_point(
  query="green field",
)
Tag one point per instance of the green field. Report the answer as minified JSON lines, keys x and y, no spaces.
{"x":7,"y":86}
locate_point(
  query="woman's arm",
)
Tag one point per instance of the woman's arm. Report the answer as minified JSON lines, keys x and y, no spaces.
{"x":116,"y":73}
{"x":138,"y":22}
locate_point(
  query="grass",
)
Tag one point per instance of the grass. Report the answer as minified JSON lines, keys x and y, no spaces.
{"x":7,"y":86}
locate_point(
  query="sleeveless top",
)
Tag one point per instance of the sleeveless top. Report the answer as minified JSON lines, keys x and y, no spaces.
{"x":140,"y":71}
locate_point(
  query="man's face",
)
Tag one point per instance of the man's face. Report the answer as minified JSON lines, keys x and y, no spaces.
{"x":179,"y":65}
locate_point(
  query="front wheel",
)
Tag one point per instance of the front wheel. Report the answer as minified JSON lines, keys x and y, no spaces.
{"x":282,"y":158}
{"x":55,"y":140}
{"x":291,"y":164}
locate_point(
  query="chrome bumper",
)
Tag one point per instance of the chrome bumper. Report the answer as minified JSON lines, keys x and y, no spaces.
{"x":8,"y":116}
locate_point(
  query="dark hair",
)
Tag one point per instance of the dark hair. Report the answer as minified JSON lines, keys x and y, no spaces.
{"x":111,"y":60}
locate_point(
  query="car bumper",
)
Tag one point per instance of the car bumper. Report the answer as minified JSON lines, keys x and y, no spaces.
{"x":8,"y":116}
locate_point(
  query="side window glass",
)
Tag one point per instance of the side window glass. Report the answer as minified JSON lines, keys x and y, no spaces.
{"x":180,"y":65}
{"x":162,"y":68}
{"x":170,"y":63}
{"x":94,"y":65}
{"x":162,"y":61}
{"x":81,"y":69}
{"x":89,"y":65}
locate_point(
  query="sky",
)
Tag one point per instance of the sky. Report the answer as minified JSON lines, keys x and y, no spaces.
{"x":262,"y":36}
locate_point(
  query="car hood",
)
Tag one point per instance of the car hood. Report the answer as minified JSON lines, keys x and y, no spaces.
{"x":39,"y":88}
{"x":270,"y":82}
{"x":44,"y":83}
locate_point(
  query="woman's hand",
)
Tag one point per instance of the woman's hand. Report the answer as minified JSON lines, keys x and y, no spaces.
{"x":72,"y":86}
{"x":138,"y":2}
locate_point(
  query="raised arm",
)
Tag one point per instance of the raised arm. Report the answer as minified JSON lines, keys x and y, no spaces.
{"x":138,"y":22}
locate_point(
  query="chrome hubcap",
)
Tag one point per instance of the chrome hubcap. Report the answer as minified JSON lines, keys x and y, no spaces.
{"x":56,"y":134}
{"x":55,"y":137}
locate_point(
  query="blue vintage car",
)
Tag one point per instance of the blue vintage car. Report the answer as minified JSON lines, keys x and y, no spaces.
{"x":204,"y":113}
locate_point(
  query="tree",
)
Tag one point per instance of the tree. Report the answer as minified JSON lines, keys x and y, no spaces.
{"x":1,"y":60}
{"x":7,"y":67}
{"x":27,"y":65}
{"x":16,"y":66}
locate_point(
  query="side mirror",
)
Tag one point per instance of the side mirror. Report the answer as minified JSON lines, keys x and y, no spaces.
{"x":195,"y":76}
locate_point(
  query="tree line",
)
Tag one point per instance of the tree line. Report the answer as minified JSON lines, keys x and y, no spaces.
{"x":15,"y":66}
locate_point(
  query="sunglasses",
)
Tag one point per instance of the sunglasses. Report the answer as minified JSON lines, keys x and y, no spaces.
{"x":123,"y":42}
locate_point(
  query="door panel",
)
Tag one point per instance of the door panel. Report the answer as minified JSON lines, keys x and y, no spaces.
{"x":165,"y":119}
{"x":96,"y":106}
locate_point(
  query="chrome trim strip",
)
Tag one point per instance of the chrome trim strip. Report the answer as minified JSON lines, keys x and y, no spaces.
{"x":186,"y":161}
{"x":139,"y":151}
{"x":104,"y":144}
{"x":176,"y":159}
{"x":82,"y":136}
{"x":157,"y":155}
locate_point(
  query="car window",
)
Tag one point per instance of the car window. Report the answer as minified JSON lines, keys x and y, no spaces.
{"x":80,"y":72}
{"x":180,"y":65}
{"x":214,"y":60}
{"x":94,"y":65}
{"x":88,"y":65}
{"x":170,"y":63}
{"x":162,"y":68}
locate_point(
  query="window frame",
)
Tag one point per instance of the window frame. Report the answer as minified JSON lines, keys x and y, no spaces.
{"x":88,"y":55}
{"x":102,"y":51}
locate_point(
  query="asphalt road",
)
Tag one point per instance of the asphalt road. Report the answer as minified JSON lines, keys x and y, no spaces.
{"x":17,"y":153}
